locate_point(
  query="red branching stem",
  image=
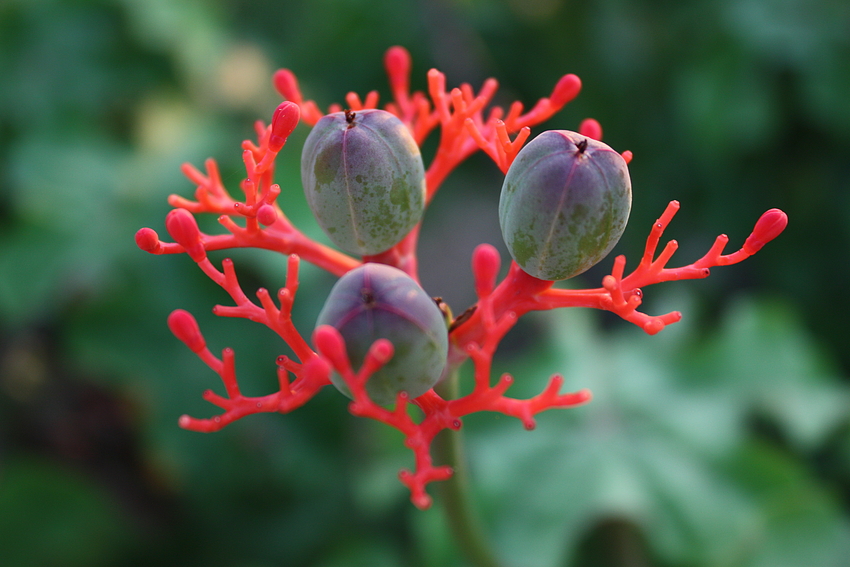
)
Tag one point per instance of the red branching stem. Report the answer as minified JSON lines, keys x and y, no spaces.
{"x":500,"y":148}
{"x":492,"y":135}
{"x":448,"y":109}
{"x":267,"y":313}
{"x":456,"y":144}
{"x":463,"y":130}
{"x":331,"y":346}
{"x":494,"y":322}
{"x":439,"y":413}
{"x":518,"y":292}
{"x":310,"y":376}
{"x":313,"y":376}
{"x":266,"y":226}
{"x":521,"y":293}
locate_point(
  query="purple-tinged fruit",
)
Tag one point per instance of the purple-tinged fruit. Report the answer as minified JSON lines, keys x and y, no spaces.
{"x":564,"y":205}
{"x":376,"y":301}
{"x":364,"y":179}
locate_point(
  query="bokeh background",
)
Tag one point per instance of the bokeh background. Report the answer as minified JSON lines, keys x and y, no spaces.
{"x":722,"y":441}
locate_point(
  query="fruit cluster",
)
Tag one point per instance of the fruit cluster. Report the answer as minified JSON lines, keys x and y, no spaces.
{"x":380,"y":339}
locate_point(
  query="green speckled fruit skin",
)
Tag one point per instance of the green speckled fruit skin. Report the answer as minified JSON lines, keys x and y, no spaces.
{"x":364,"y":179}
{"x":376,"y":301}
{"x":562,"y":209}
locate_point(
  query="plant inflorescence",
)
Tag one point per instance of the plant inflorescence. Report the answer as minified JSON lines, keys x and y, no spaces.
{"x":466,"y":122}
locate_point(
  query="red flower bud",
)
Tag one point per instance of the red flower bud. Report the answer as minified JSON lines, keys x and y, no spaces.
{"x":287,"y":85}
{"x":381,"y":351}
{"x":566,"y":90}
{"x":768,"y":227}
{"x":185,"y":328}
{"x":183,"y":228}
{"x":397,"y":63}
{"x":284,"y":121}
{"x":485,"y":266}
{"x":147,"y":239}
{"x":591,"y":128}
{"x":267,"y":215}
{"x":330,"y":344}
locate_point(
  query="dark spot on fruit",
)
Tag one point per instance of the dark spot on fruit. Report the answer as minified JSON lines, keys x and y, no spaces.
{"x":368,"y":297}
{"x":349,"y":117}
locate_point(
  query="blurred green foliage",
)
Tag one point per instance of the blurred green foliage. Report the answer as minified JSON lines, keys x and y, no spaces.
{"x":725,"y":440}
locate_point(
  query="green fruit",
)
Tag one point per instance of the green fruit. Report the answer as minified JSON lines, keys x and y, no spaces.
{"x":376,"y":301}
{"x":564,"y":205}
{"x":364,"y":179}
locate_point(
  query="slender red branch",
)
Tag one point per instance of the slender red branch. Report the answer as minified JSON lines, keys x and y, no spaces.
{"x":265,"y":225}
{"x":521,"y":293}
{"x":463,"y":130}
{"x":311,"y":374}
{"x":439,"y":413}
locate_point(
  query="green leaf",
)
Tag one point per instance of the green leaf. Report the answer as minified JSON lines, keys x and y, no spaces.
{"x":51,"y":515}
{"x":664,"y":444}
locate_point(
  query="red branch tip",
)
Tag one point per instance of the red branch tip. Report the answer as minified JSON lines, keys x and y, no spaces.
{"x":183,"y":228}
{"x":267,"y":215}
{"x":398,"y":64}
{"x":147,"y":239}
{"x":769,"y":226}
{"x":185,"y":327}
{"x":331,"y":345}
{"x":284,"y":121}
{"x":591,"y":128}
{"x":565,"y":90}
{"x":287,"y":85}
{"x":485,"y":267}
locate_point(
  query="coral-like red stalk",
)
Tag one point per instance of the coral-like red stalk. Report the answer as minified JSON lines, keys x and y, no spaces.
{"x":259,"y":207}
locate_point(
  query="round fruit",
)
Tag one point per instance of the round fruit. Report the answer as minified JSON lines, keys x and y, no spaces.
{"x":364,"y":179}
{"x":564,"y":205}
{"x":376,"y":301}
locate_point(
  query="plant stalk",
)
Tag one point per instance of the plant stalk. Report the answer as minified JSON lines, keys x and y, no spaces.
{"x":464,"y":523}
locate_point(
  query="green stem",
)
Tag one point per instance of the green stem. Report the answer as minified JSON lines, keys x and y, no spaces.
{"x":464,"y":523}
